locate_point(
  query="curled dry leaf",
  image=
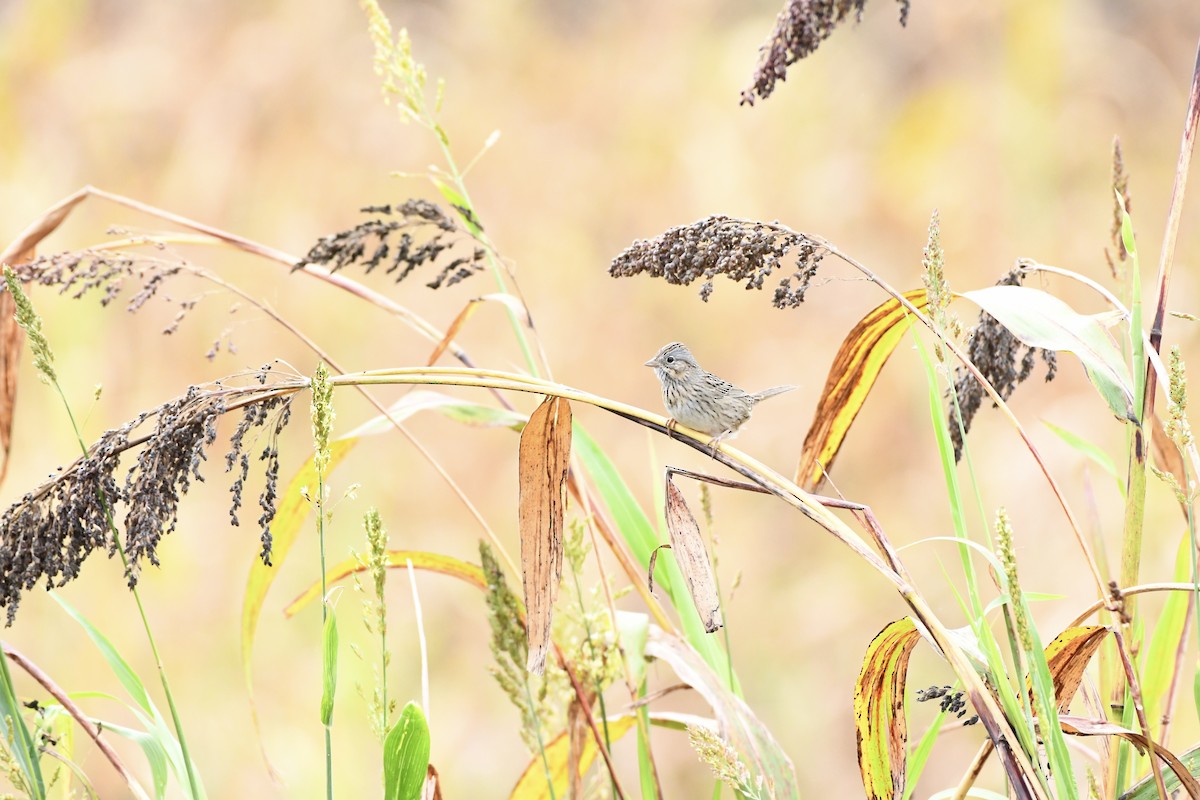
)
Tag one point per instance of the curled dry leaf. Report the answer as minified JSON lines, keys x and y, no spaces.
{"x":692,"y":559}
{"x":544,"y":456}
{"x":1083,"y":726}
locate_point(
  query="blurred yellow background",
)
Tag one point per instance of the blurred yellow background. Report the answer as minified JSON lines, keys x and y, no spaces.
{"x":618,"y":120}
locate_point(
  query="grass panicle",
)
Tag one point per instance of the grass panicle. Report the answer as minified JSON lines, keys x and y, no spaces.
{"x":949,"y":702}
{"x":403,"y":77}
{"x":998,"y":355}
{"x":51,"y":531}
{"x":799,"y":29}
{"x":744,"y":251}
{"x":510,"y":650}
{"x":31,"y":323}
{"x":727,"y":766}
{"x":375,"y":565}
{"x":1122,"y":204}
{"x":1007,"y":553}
{"x":402,"y":238}
{"x":1178,"y":427}
{"x":322,"y":418}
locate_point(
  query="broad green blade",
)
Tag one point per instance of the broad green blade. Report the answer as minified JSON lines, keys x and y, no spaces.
{"x":406,"y":755}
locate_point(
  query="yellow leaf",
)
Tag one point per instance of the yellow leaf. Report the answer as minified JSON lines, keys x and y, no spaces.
{"x":431,"y":562}
{"x":532,"y":784}
{"x":853,"y":372}
{"x":879,"y":710}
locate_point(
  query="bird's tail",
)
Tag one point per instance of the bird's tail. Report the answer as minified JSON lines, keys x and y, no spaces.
{"x":765,"y":393}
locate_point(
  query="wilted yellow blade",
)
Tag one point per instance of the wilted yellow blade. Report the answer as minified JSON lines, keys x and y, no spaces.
{"x":430,"y":562}
{"x":879,"y":710}
{"x":853,"y":372}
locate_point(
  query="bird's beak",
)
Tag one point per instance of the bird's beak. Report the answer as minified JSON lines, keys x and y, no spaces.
{"x":651,"y":363}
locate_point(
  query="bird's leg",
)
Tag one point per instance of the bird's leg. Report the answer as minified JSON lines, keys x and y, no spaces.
{"x":716,"y":440}
{"x":672,"y":423}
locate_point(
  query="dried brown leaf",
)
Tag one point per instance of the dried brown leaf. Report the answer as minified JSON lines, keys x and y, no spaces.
{"x":1167,"y":456}
{"x":1069,"y":655}
{"x":433,"y":785}
{"x":1083,"y":726}
{"x":544,"y":456}
{"x":692,"y":558}
{"x":11,"y":340}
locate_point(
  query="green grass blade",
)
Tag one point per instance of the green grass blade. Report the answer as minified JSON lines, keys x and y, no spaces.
{"x":156,"y":756}
{"x":1090,"y":451}
{"x":120,"y":667}
{"x":156,"y":725}
{"x":20,"y":742}
{"x":329,"y":643}
{"x":406,"y":755}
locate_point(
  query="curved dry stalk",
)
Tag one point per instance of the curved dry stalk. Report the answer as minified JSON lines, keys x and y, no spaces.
{"x":49,"y":221}
{"x":56,"y":691}
{"x":1100,"y":605}
{"x":586,"y":708}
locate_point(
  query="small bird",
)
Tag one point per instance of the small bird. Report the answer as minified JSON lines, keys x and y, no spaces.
{"x":701,"y":400}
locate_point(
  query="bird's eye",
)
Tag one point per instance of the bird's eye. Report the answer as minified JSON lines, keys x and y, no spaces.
{"x":670,"y":359}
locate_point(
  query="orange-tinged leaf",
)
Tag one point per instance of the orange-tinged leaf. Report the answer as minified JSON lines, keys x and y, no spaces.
{"x":19,"y":251}
{"x":1068,"y":656}
{"x":432,"y":562}
{"x":512,"y":303}
{"x":855,"y":367}
{"x":533,"y":786}
{"x":692,"y":558}
{"x":455,"y":326}
{"x":40,"y":228}
{"x":544,"y":457}
{"x":879,"y":710}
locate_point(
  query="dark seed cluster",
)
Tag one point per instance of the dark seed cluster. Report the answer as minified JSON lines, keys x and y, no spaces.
{"x":52,"y":530}
{"x":742,"y":250}
{"x":78,"y":273}
{"x":951,"y":702}
{"x":258,"y":415}
{"x":799,"y":29}
{"x":402,"y":238}
{"x":184,"y":429}
{"x":994,"y":350}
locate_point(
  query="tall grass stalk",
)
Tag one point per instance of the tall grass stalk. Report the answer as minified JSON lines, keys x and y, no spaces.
{"x":322,"y":426}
